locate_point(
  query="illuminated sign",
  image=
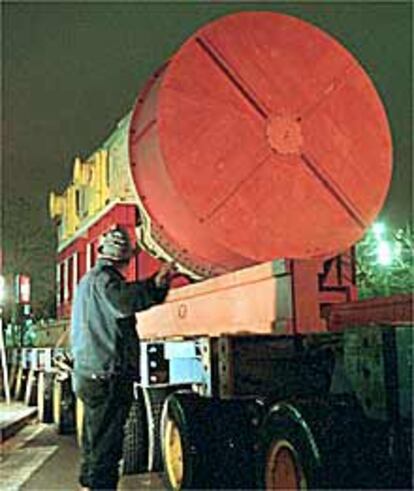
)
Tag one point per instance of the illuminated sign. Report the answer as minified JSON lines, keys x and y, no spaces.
{"x":22,"y":289}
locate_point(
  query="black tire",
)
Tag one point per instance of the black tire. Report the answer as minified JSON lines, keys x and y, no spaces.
{"x":45,"y":397}
{"x":216,"y":442}
{"x":188,"y":470}
{"x":135,"y":448}
{"x":288,"y":460}
{"x":317,"y":444}
{"x":64,"y":407}
{"x":154,"y":398}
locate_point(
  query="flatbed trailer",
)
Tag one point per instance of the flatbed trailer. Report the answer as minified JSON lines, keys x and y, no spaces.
{"x":323,"y":410}
{"x":207,"y":405}
{"x":243,"y":411}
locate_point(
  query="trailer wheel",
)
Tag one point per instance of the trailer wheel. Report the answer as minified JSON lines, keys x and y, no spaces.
{"x":63,"y":407}
{"x":154,"y":399}
{"x":180,"y":452}
{"x":174,"y":456}
{"x":45,"y":397}
{"x":324,"y":441}
{"x":80,"y":415}
{"x":135,"y":448}
{"x":208,"y":443}
{"x":57,"y":396}
{"x":288,"y":457}
{"x":283,"y":467}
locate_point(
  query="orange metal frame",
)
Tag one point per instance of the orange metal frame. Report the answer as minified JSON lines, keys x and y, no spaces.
{"x":280,"y":297}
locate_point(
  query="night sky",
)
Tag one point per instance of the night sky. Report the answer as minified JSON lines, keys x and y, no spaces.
{"x":72,"y":70}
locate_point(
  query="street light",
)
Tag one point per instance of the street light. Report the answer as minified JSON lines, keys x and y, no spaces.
{"x":384,"y":253}
{"x":379,"y":229}
{"x":384,"y":250}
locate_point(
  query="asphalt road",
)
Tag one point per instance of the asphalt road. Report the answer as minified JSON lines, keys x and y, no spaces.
{"x":37,"y":458}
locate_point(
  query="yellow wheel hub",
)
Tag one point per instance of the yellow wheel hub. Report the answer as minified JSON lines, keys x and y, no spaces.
{"x":174,"y":454}
{"x":41,"y":395}
{"x":80,"y":414}
{"x":57,"y":397}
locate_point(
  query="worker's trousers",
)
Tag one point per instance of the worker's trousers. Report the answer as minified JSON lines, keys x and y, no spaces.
{"x":106,"y":408}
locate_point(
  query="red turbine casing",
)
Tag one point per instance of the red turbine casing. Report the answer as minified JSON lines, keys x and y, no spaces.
{"x":262,"y":138}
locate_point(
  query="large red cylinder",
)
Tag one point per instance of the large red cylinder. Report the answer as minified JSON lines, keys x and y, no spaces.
{"x":261,"y":138}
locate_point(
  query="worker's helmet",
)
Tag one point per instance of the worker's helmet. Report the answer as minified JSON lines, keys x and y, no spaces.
{"x":116,"y":245}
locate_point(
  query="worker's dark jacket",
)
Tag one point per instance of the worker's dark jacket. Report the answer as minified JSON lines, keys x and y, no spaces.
{"x":103,"y":336}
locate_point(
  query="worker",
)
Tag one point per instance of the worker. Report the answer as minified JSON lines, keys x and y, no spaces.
{"x":105,"y":349}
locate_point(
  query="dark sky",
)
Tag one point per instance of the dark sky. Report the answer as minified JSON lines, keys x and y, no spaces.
{"x":71,"y":70}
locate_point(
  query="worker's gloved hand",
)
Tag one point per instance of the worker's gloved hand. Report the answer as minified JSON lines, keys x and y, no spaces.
{"x":165,"y":274}
{"x":63,"y":366}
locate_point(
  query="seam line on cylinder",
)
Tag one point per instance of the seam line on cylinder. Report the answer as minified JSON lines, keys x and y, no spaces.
{"x":236,"y":188}
{"x":335,"y":191}
{"x":147,"y":127}
{"x":240,"y":84}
